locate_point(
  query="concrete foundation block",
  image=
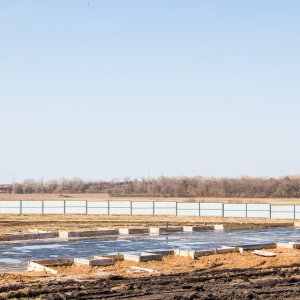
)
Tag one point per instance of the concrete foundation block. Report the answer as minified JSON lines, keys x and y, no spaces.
{"x":204,"y":252}
{"x":163,"y":230}
{"x":35,"y":230}
{"x":107,"y":231}
{"x":55,"y":262}
{"x":257,"y":246}
{"x":163,"y":252}
{"x":197,"y":228}
{"x":85,"y":233}
{"x":94,"y":262}
{"x":297,"y":223}
{"x":145,"y":256}
{"x":219,"y":227}
{"x":36,"y":267}
{"x":158,"y":230}
{"x":190,"y":253}
{"x":27,"y":236}
{"x":116,"y":257}
{"x":133,"y":230}
{"x":289,"y":245}
{"x":297,"y":245}
{"x":225,"y":250}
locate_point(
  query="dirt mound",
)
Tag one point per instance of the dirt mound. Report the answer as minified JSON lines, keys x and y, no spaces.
{"x":270,"y":283}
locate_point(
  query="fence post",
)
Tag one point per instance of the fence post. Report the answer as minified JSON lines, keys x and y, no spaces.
{"x":86,"y":207}
{"x":108,"y":205}
{"x":64,"y":207}
{"x":294,"y":212}
{"x":246,"y":210}
{"x":21,"y":207}
{"x":42,"y":207}
{"x":199,"y":209}
{"x":153,"y":203}
{"x":223,"y":210}
{"x":176,"y":209}
{"x":131,"y":207}
{"x":270,"y":211}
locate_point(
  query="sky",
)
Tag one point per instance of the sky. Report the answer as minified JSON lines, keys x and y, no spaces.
{"x":114,"y":89}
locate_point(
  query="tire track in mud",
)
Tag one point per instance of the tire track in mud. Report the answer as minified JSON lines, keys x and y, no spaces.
{"x":243,"y":284}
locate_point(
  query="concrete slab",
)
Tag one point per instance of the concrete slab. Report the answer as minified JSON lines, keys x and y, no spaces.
{"x":163,"y":252}
{"x":289,"y":245}
{"x":163,"y":230}
{"x":204,"y":252}
{"x":55,"y":262}
{"x":225,"y":250}
{"x":158,"y":230}
{"x":27,"y":236}
{"x":35,"y":230}
{"x":297,"y":245}
{"x":144,"y":256}
{"x":133,"y":230}
{"x":233,"y":226}
{"x":108,"y":231}
{"x":86,"y":233}
{"x":263,"y":253}
{"x":297,"y":223}
{"x":215,"y":251}
{"x":116,"y":257}
{"x":190,"y":253}
{"x":197,"y":228}
{"x":104,"y":261}
{"x":257,"y":246}
{"x":36,"y":267}
{"x":219,"y":227}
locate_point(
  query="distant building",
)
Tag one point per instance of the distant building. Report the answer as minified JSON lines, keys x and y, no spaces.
{"x":6,"y":188}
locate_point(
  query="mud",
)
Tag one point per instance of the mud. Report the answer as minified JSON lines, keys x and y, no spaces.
{"x":271,"y":283}
{"x":226,"y":276}
{"x":223,"y":276}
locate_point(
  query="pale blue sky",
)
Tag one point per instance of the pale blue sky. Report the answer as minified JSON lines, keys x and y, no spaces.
{"x":109,"y":89}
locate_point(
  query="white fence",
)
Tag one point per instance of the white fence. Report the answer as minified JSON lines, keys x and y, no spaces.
{"x":246,"y":210}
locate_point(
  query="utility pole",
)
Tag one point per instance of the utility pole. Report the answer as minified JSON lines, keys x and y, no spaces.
{"x":13,"y":191}
{"x":42,"y":186}
{"x":162,"y":184}
{"x":148,"y":182}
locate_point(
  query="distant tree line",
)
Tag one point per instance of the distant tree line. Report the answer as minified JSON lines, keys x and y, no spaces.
{"x":243,"y":187}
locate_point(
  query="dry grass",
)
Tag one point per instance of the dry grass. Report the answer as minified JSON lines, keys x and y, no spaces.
{"x":94,"y":197}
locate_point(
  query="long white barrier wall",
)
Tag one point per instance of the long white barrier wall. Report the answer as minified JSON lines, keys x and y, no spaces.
{"x":245,"y":210}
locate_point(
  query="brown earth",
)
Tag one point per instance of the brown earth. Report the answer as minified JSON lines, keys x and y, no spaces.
{"x":103,"y":197}
{"x":22,"y":223}
{"x":223,"y":276}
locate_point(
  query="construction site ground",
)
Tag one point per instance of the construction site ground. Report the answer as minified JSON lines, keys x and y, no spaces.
{"x":218,"y":276}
